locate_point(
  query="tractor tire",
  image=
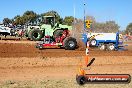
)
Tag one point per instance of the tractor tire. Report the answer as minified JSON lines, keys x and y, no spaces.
{"x":81,"y":80}
{"x":93,"y":42}
{"x":70,"y":43}
{"x":35,"y":35}
{"x":111,"y":47}
{"x":58,"y":33}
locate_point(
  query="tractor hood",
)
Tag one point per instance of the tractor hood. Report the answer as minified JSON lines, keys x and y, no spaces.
{"x":65,"y":26}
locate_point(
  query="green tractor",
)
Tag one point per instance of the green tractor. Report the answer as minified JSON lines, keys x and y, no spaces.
{"x":45,"y":26}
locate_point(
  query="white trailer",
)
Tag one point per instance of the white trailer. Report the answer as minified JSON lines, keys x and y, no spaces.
{"x":109,"y":41}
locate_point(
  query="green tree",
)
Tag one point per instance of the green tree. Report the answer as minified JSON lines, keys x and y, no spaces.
{"x":17,"y":16}
{"x":29,"y":16}
{"x":19,"y":20}
{"x":129,"y":29}
{"x":68,"y":20}
{"x":7,"y":21}
{"x":16,"y":20}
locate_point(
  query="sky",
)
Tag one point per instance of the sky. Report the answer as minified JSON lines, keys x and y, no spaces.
{"x":119,"y":11}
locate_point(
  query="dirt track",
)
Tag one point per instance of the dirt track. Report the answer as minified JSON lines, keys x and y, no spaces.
{"x":21,"y":61}
{"x":26,"y":49}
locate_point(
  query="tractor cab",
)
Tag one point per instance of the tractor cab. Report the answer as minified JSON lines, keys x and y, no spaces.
{"x":49,"y":20}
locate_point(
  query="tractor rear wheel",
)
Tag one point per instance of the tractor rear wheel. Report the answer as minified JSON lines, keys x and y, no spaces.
{"x":70,"y":43}
{"x":35,"y":35}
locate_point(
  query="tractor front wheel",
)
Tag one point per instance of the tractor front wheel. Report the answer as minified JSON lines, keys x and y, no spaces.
{"x":35,"y":35}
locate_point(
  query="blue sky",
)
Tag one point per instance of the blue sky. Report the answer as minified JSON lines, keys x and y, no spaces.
{"x":103,"y":10}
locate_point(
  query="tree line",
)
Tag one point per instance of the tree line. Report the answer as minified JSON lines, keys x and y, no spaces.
{"x":32,"y":16}
{"x":108,"y":26}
